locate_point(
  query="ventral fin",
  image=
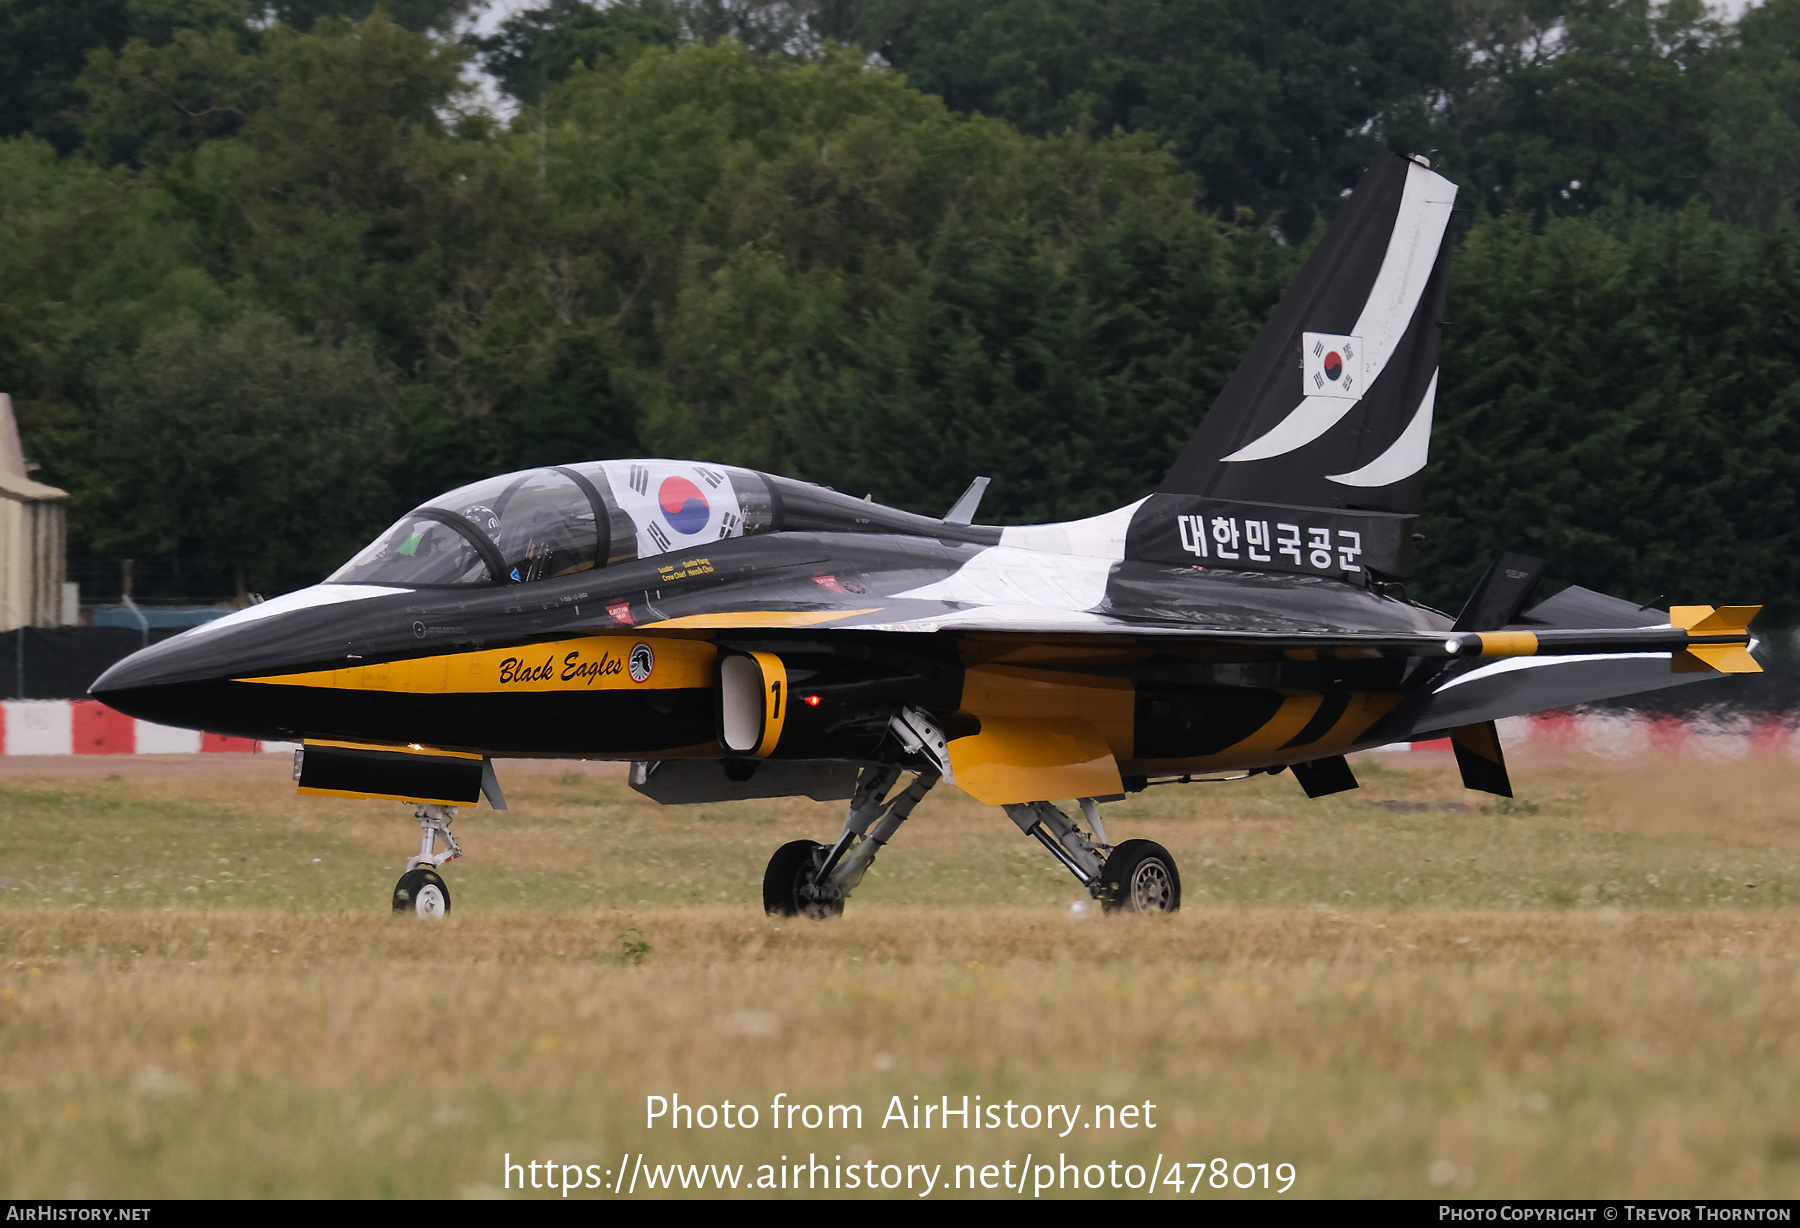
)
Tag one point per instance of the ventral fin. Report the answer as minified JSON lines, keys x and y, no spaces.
{"x":1320,"y":777}
{"x":1480,"y":759}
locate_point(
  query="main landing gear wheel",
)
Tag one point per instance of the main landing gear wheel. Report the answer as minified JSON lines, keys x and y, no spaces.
{"x":809,"y":879}
{"x":422,"y":892}
{"x":1140,"y":876}
{"x":792,"y":870}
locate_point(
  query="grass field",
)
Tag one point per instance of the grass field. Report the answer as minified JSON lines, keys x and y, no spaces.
{"x":1408,"y":990}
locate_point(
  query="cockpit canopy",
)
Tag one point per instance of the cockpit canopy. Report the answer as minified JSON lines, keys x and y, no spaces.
{"x":562,"y":519}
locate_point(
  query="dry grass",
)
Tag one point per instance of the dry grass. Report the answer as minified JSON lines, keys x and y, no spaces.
{"x":1590,"y":993}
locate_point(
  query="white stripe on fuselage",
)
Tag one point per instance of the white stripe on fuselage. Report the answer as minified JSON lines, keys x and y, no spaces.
{"x":301,"y":599}
{"x":1406,"y":268}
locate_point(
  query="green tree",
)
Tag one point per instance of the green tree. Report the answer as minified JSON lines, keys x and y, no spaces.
{"x":1754,"y":137}
{"x":1622,"y":396}
{"x":315,"y":168}
{"x":1277,"y":106}
{"x":769,"y":28}
{"x":90,"y":259}
{"x":44,"y":45}
{"x":782,"y":264}
{"x":250,"y":451}
{"x":1560,"y":108}
{"x":415,"y":15}
{"x":538,"y":47}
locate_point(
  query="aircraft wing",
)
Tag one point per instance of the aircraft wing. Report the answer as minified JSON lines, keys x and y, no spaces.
{"x":1697,"y":639}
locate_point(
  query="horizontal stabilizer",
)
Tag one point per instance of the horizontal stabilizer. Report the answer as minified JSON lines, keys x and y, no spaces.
{"x":1576,"y":607}
{"x":1580,"y":661}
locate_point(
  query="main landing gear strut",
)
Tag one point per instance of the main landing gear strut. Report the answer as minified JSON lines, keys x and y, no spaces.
{"x":1134,"y":876}
{"x":809,"y":879}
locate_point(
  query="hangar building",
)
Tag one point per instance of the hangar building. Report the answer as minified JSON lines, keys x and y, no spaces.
{"x":32,"y":538}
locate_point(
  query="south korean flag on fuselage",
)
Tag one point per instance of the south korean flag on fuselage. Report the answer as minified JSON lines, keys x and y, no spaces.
{"x":676,"y":505}
{"x":1333,"y":365}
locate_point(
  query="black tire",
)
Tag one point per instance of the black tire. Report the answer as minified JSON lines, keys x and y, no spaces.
{"x":422,"y":893}
{"x":790,"y":869}
{"x":1140,"y":877}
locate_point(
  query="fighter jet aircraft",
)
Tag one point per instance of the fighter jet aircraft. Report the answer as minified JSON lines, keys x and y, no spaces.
{"x":736,"y":634}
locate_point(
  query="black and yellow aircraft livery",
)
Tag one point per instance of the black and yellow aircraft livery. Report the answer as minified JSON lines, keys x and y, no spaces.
{"x":737,"y":634}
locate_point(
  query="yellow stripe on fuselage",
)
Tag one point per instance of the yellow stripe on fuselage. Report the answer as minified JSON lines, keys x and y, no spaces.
{"x":1363,"y":710}
{"x":391,"y":797}
{"x":1297,"y":708}
{"x":590,"y":663}
{"x":396,"y":748}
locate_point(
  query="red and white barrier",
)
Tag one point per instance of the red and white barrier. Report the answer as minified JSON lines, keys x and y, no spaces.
{"x":1626,"y":735}
{"x":89,"y":727}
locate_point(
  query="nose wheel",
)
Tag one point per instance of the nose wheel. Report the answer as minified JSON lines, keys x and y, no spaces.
{"x":423,"y":893}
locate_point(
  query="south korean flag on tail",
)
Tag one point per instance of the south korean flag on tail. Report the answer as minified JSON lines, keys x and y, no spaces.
{"x":1333,"y":365}
{"x":676,"y":505}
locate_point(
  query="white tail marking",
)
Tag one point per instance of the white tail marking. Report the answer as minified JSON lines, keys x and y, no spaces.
{"x":1406,"y":455}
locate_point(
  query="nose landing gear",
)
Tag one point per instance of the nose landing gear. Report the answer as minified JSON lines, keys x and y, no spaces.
{"x":421,"y":891}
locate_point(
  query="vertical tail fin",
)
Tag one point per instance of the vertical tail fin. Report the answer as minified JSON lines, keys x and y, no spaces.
{"x":1331,"y":406}
{"x":1502,"y":593}
{"x":1312,"y":459}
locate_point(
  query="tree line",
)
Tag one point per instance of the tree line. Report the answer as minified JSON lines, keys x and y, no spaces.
{"x":270,"y":273}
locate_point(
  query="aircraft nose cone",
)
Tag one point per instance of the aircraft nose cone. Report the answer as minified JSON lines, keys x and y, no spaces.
{"x":191,"y":680}
{"x":157,"y":684}
{"x":123,"y":676}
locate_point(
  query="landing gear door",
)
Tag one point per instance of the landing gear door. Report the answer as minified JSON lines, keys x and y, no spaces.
{"x":753,"y":703}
